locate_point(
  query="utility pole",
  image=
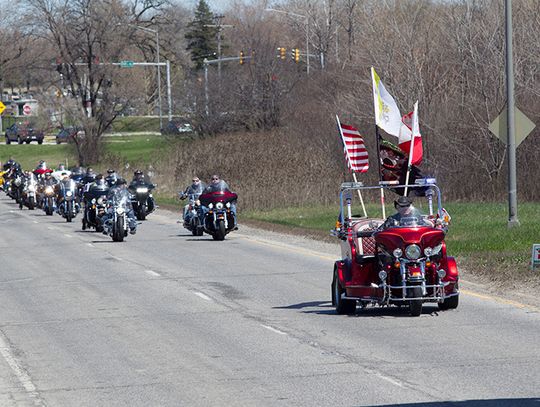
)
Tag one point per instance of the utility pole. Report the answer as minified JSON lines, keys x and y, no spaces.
{"x":220,"y":27}
{"x":512,"y":179}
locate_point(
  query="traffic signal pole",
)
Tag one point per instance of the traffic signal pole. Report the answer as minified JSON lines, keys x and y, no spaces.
{"x":218,"y":61}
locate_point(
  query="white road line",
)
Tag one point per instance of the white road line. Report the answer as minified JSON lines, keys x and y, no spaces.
{"x":67,"y":235}
{"x":389,"y":379}
{"x":36,"y":221}
{"x":203,"y":296}
{"x":152,"y":273}
{"x":90,"y":244}
{"x":21,"y":374}
{"x":274,"y":329}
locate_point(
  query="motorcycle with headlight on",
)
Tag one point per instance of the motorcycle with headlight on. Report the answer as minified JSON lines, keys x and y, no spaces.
{"x":141,"y":199}
{"x":401,"y":263}
{"x":48,"y":199}
{"x":115,"y":220}
{"x":29,"y":191}
{"x":68,"y":207}
{"x":219,"y":212}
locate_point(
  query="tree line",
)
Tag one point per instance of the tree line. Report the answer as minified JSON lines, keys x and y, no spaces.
{"x":447,"y":55}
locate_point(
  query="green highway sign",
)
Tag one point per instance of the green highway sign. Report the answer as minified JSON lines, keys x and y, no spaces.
{"x":126,"y":64}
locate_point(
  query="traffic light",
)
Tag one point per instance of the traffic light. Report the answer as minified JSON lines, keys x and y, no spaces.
{"x":282,"y":52}
{"x":241,"y":60}
{"x":295,"y":53}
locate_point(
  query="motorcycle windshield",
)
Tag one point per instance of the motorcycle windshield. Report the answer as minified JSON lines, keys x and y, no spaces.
{"x":414,"y":221}
{"x":120,"y":198}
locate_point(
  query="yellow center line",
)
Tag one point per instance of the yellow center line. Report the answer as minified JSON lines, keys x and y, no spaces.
{"x":313,"y":253}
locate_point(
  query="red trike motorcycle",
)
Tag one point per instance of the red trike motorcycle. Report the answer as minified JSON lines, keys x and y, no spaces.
{"x":394,"y":262}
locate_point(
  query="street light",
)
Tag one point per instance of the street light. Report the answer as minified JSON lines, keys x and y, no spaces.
{"x":307,"y":29}
{"x":156,"y":32}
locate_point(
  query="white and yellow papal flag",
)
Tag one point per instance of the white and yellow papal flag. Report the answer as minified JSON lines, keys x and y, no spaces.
{"x":387,"y":115}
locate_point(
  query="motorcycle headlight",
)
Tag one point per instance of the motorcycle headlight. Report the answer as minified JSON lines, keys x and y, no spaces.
{"x":228,"y":204}
{"x":413,"y":252}
{"x":210,"y":206}
{"x":142,"y":190}
{"x":69,"y":193}
{"x":397,"y":253}
{"x":120,"y":211}
{"x":31,"y":188}
{"x":100,"y":201}
{"x":437,"y":249}
{"x":49,"y":190}
{"x":198,"y":202}
{"x":93,"y":200}
{"x":219,"y":205}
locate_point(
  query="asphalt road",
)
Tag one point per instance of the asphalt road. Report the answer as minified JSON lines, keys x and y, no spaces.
{"x":167,"y":319}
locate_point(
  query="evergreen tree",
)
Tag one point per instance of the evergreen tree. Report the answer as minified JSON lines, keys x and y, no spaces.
{"x":202,"y":38}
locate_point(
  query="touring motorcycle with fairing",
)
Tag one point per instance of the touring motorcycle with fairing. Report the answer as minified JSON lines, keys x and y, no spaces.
{"x":68,"y":206}
{"x":219,"y":211}
{"x":142,"y":199}
{"x":402,"y":263}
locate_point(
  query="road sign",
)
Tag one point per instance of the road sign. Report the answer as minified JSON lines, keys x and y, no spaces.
{"x":27,"y":109}
{"x":2,"y":107}
{"x":523,"y":126}
{"x":535,"y":260}
{"x":126,"y":64}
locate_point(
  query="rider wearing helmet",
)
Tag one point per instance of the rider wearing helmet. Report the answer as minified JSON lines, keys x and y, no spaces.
{"x":405,"y":209}
{"x":119,"y":190}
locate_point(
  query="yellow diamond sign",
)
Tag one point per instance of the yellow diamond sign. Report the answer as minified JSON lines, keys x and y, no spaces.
{"x":2,"y":107}
{"x":523,"y":126}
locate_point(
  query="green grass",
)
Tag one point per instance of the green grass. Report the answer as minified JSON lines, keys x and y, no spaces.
{"x":136,"y":124}
{"x":30,"y":154}
{"x":478,"y":233}
{"x":138,"y":148}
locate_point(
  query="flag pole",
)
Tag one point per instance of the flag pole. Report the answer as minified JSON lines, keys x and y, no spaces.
{"x":349,"y":160}
{"x":411,"y":149}
{"x":378,"y":137}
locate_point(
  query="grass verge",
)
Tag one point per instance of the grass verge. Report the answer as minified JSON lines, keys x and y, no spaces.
{"x":478,"y":235}
{"x":133,"y":148}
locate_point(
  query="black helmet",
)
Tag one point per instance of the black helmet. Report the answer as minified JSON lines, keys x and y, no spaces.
{"x":110,"y":171}
{"x":121,"y":181}
{"x":138,"y":172}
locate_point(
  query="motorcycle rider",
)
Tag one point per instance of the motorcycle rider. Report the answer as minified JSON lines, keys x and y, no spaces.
{"x":112,"y":177}
{"x":119,"y":190}
{"x":217,"y":184}
{"x":138,"y":178}
{"x":41,"y":169}
{"x":57,"y":174}
{"x":196,"y":189}
{"x":47,"y":181}
{"x":405,"y":209}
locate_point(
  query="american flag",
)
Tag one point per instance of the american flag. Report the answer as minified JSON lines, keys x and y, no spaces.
{"x":355,"y":150}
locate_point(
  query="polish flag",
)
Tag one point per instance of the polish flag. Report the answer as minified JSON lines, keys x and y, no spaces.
{"x":409,"y":127}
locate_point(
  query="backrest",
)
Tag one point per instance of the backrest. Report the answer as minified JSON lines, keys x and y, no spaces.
{"x":365,"y":246}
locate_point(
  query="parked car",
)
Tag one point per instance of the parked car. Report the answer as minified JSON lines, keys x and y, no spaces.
{"x":177,"y":126}
{"x":23,"y":133}
{"x":66,"y":134}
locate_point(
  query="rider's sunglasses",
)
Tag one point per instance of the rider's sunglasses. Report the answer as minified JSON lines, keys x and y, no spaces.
{"x":215,"y":179}
{"x":195,"y":180}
